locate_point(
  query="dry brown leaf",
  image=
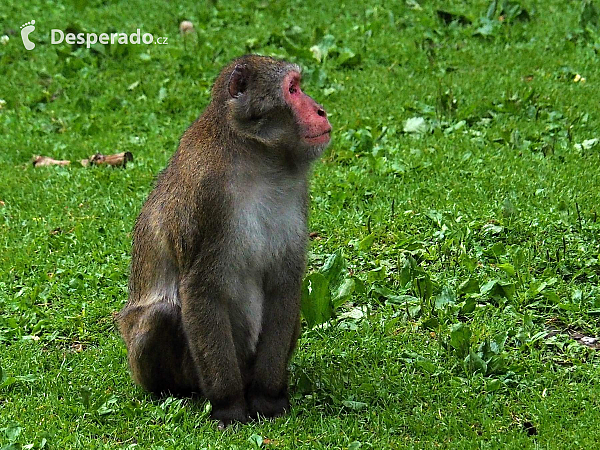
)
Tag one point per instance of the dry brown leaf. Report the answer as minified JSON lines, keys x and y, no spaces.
{"x":39,"y":161}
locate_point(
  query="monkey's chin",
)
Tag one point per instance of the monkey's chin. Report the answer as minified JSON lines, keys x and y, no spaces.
{"x":314,"y":151}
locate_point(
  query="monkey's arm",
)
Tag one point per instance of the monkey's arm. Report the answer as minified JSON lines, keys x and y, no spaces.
{"x":208,"y":329}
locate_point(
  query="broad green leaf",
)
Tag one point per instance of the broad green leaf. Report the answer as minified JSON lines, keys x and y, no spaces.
{"x":303,"y":383}
{"x":568,"y":307}
{"x":323,"y":48}
{"x":86,"y":394}
{"x":495,"y":250}
{"x":435,"y":216}
{"x":383,"y":291}
{"x":367,"y":242}
{"x":457,"y":126}
{"x":474,"y":363}
{"x":406,"y":271}
{"x":162,"y":93}
{"x":356,"y":313}
{"x":446,"y":297}
{"x":377,"y":274}
{"x":423,"y":286}
{"x":469,"y":306}
{"x":133,"y":85}
{"x":493,"y":385}
{"x":335,"y":269}
{"x":414,"y":311}
{"x":508,"y":289}
{"x":416,"y":125}
{"x":460,"y":339}
{"x":468,"y":263}
{"x":488,"y":287}
{"x":359,"y":286}
{"x":491,"y":228}
{"x":108,"y":406}
{"x":486,"y":28}
{"x":395,"y":299}
{"x":27,"y":378}
{"x":13,"y":431}
{"x":316,"y":299}
{"x":492,"y":347}
{"x":587,"y":144}
{"x":498,"y":289}
{"x":256,"y":440}
{"x":348,"y":58}
{"x":496,"y":365}
{"x":498,"y":342}
{"x":343,"y":293}
{"x":508,"y":268}
{"x":535,"y":288}
{"x":468,"y":286}
{"x":291,"y":48}
{"x":7,"y":382}
{"x":552,"y":296}
{"x":11,"y":446}
{"x":402,"y":300}
{"x":354,"y":405}
{"x":431,"y":324}
{"x":426,"y":365}
{"x":491,"y":11}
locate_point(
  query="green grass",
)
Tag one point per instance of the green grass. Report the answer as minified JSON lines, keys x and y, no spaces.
{"x":467,"y":243}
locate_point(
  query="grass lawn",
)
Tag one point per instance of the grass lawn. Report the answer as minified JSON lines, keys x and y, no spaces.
{"x":455,"y":232}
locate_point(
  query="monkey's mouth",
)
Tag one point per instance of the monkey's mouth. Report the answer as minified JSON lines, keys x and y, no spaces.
{"x":319,"y":138}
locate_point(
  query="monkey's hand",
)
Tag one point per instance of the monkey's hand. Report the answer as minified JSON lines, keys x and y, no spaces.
{"x":267,"y":406}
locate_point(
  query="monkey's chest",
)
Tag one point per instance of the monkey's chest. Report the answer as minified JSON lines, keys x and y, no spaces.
{"x":269,"y":227}
{"x":268,"y":235}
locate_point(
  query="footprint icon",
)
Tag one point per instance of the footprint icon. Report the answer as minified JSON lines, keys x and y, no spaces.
{"x":27,"y":28}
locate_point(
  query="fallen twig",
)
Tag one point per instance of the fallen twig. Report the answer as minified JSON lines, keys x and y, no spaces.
{"x":116,"y":160}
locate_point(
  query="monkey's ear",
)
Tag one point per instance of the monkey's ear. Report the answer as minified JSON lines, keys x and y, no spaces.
{"x":238,"y":80}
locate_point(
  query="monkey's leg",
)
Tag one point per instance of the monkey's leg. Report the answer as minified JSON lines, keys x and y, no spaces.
{"x":268,"y":392}
{"x":158,"y":352}
{"x":207,"y":324}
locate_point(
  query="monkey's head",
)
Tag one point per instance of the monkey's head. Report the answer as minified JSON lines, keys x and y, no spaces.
{"x":263,"y":102}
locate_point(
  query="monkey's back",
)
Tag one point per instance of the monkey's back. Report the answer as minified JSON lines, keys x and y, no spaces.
{"x":172,"y":226}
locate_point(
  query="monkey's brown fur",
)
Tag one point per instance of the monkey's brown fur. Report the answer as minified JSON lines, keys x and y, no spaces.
{"x":219,"y":246}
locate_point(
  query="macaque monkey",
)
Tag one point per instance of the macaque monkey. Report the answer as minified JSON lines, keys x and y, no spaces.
{"x":219,"y":247}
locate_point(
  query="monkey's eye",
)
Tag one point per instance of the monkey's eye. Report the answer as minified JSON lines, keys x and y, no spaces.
{"x":293,"y":88}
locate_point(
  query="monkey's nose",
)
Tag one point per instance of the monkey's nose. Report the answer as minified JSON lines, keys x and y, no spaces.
{"x":321,"y":112}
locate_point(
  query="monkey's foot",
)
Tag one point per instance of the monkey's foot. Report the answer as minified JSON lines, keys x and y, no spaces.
{"x":226,"y":415}
{"x":267,"y":406}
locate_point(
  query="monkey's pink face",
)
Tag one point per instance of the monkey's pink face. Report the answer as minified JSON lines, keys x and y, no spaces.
{"x":310,"y":116}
